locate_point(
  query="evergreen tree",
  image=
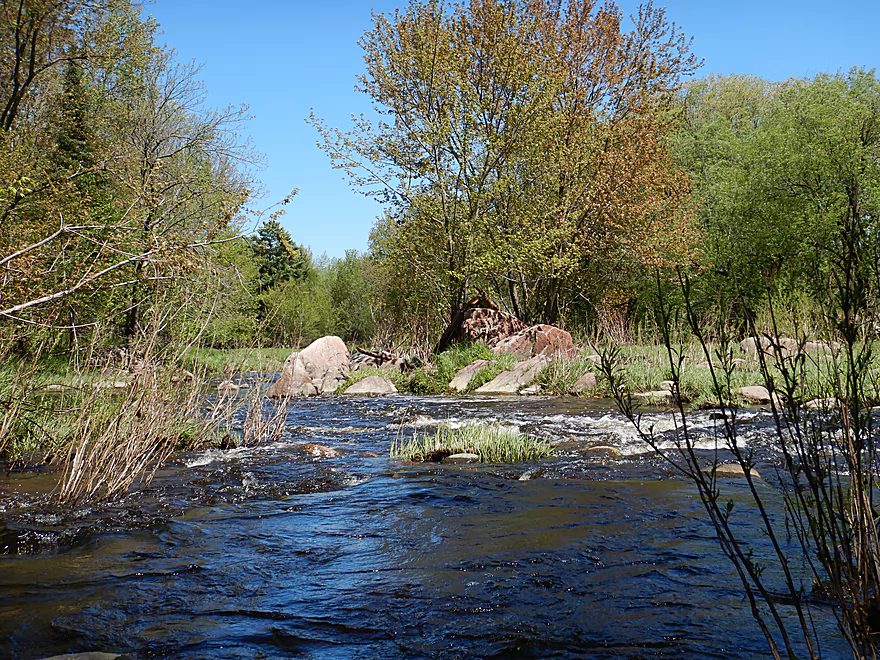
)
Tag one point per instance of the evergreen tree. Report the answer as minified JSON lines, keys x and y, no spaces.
{"x":278,"y":258}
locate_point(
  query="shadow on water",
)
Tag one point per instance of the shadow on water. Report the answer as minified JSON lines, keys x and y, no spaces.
{"x":272,"y":553}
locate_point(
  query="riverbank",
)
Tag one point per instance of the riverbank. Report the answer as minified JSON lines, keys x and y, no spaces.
{"x":57,"y":404}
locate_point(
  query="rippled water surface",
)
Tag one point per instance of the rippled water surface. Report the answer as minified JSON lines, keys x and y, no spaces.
{"x":274,"y":553}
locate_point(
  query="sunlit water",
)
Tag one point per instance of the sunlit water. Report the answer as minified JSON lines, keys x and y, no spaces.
{"x":274,"y":553}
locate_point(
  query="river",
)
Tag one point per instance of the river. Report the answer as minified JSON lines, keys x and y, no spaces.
{"x":271,"y":552}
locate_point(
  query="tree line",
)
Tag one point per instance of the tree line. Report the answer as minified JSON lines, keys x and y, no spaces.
{"x":555,"y":155}
{"x":561,"y":160}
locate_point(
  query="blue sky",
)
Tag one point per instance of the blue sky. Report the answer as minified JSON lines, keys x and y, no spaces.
{"x":285,"y":57}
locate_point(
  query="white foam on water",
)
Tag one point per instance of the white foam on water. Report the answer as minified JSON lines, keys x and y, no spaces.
{"x":454,"y":423}
{"x":249,"y":482}
{"x":325,"y":430}
{"x":217,"y":455}
{"x":619,"y":432}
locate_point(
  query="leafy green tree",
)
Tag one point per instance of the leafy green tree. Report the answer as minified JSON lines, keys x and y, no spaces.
{"x":786,"y":176}
{"x":118,"y":206}
{"x":352,"y":296}
{"x":278,"y":258}
{"x":520,"y":148}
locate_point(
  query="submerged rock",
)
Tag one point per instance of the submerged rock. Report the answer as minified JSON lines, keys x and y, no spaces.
{"x":320,"y":451}
{"x":510,"y":382}
{"x":320,"y":367}
{"x":604,"y":451}
{"x":733,"y":470}
{"x":465,"y":375}
{"x":372,"y":385}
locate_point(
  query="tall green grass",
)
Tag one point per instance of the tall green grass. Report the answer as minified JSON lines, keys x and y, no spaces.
{"x":492,"y":443}
{"x":239,"y":360}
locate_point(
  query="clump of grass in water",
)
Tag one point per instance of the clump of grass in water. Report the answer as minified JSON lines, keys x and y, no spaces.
{"x":492,"y":443}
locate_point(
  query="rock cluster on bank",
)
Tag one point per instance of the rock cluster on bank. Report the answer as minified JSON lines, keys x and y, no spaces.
{"x":326,"y":363}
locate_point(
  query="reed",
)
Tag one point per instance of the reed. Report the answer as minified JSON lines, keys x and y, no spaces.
{"x":826,"y":481}
{"x":117,"y":437}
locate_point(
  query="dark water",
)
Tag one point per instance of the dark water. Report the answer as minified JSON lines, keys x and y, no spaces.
{"x":273,"y":553}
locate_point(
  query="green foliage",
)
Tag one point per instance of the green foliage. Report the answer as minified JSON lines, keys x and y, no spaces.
{"x":560,"y":376}
{"x":118,"y":184}
{"x":524,"y":153}
{"x":236,"y":360}
{"x":297,"y":313}
{"x":782,"y":172}
{"x":277,"y":257}
{"x":352,"y":297}
{"x":337,"y":298}
{"x":435,"y":378}
{"x":492,"y":443}
{"x":400,"y":380}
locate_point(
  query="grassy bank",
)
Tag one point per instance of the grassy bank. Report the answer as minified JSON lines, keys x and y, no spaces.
{"x":104,"y":424}
{"x":236,"y":360}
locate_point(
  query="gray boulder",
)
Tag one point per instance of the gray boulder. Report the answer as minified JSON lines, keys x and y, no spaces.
{"x":755,"y":393}
{"x":510,"y":382}
{"x":585,"y":383}
{"x":320,"y":367}
{"x":821,"y":346}
{"x":373,"y":386}
{"x":831,"y":403}
{"x":465,"y":375}
{"x":654,"y":395}
{"x":733,"y":470}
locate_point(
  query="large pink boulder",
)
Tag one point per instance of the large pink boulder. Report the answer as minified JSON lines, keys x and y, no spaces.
{"x":489,"y":325}
{"x":320,"y":367}
{"x":538,"y":340}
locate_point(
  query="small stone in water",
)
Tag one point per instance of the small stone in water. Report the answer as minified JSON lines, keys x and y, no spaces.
{"x":603,"y":450}
{"x":320,"y":451}
{"x":733,"y":470}
{"x":462,"y":458}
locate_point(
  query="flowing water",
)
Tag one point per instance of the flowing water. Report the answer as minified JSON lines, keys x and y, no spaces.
{"x":272,"y":552}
